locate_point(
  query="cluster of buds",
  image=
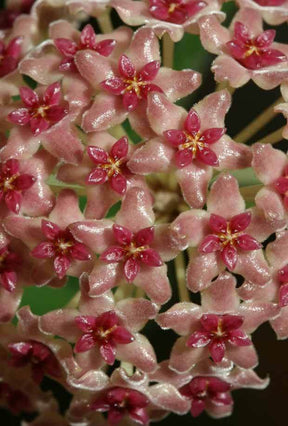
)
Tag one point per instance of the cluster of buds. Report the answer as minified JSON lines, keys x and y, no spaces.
{"x":104,"y":179}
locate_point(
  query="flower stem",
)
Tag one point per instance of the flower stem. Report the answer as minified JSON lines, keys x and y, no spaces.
{"x":273,"y":137}
{"x":127,"y":367}
{"x":259,"y":122}
{"x":104,"y":22}
{"x":117,"y":131}
{"x":57,"y":186}
{"x":225,"y":85}
{"x":74,"y":302}
{"x":168,"y":51}
{"x":180,"y":271}
{"x":249,"y":192}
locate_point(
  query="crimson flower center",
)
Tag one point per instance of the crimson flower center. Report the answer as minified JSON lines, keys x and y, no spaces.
{"x":193,"y":142}
{"x":40,"y":111}
{"x":63,"y":245}
{"x":251,"y":48}
{"x":6,"y":183}
{"x":132,"y":250}
{"x":103,"y":334}
{"x":135,"y":85}
{"x":228,"y":237}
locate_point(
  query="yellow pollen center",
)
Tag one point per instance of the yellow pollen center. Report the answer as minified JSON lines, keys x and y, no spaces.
{"x":63,"y":245}
{"x":192,"y":142}
{"x":103,"y":334}
{"x":133,"y":251}
{"x":252,"y":49}
{"x":112,"y":166}
{"x":7,"y":184}
{"x":41,"y":111}
{"x":135,"y":86}
{"x":172,"y":7}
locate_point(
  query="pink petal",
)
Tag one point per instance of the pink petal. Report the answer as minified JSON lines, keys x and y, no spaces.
{"x":149,"y":71}
{"x":207,"y":156}
{"x":108,"y":353}
{"x":38,"y":125}
{"x":217,"y":350}
{"x":85,"y":343}
{"x":229,"y":256}
{"x":122,"y":235}
{"x":126,"y":67}
{"x":175,"y":137}
{"x":198,"y":339}
{"x":197,"y":407}
{"x":113,"y":254}
{"x":218,"y":224}
{"x":67,"y":47}
{"x":240,"y":222}
{"x":120,"y":148}
{"x":239,"y":338}
{"x":8,"y":280}
{"x":131,"y":268}
{"x":118,"y":183}
{"x":246,"y":242}
{"x":145,"y":236}
{"x":193,"y":180}
{"x":86,"y":323}
{"x":209,"y":322}
{"x":29,"y":97}
{"x":50,"y":229}
{"x":13,"y":201}
{"x":192,"y":123}
{"x":209,"y":244}
{"x":221,"y":296}
{"x":150,"y":257}
{"x":97,"y":177}
{"x":52,"y":94}
{"x":44,"y":250}
{"x":87,"y":37}
{"x":105,"y":47}
{"x":61,"y":265}
{"x":80,"y":252}
{"x":213,"y":135}
{"x":113,"y":85}
{"x":122,"y":336}
{"x":24,"y":182}
{"x":130,"y":101}
{"x":140,"y":353}
{"x":265,"y":39}
{"x":183,"y":157}
{"x":231,"y":322}
{"x":20,"y":116}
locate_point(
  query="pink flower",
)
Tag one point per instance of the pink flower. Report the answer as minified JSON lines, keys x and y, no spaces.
{"x":228,"y":236}
{"x":223,"y":333}
{"x":13,"y":183}
{"x":60,"y":253}
{"x":15,"y":400}
{"x":104,"y":331}
{"x":254,"y":53}
{"x":127,"y":82}
{"x":173,"y":17}
{"x":109,"y":167}
{"x":271,"y":168}
{"x":274,"y":12}
{"x":39,"y":113}
{"x":216,"y":331}
{"x":204,"y":390}
{"x":103,"y":172}
{"x":176,"y":12}
{"x":10,"y":55}
{"x":193,"y":142}
{"x":68,"y":47}
{"x":132,"y":85}
{"x":9,"y":264}
{"x":119,"y":402}
{"x":244,"y":50}
{"x":283,"y":107}
{"x":133,"y":249}
{"x":42,"y":360}
{"x":61,"y":247}
{"x":234,"y":243}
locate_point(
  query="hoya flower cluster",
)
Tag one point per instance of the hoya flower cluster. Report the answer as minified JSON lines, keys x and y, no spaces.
{"x":72,"y":98}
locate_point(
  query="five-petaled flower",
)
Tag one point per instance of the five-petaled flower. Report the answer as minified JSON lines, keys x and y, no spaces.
{"x":228,"y":236}
{"x":10,"y":55}
{"x":119,"y":402}
{"x":61,"y":247}
{"x":109,"y":166}
{"x":40,"y":112}
{"x":132,"y":85}
{"x":13,"y":183}
{"x":9,"y":264}
{"x":203,"y":389}
{"x":175,"y":11}
{"x":68,"y":48}
{"x":105,"y":331}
